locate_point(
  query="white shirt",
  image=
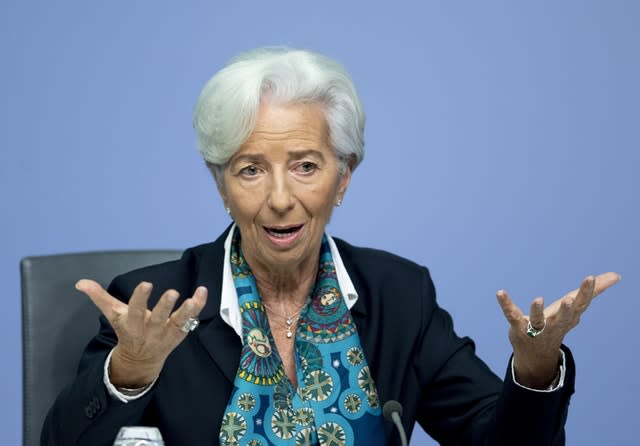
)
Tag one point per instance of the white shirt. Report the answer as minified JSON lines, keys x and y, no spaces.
{"x":229,"y":307}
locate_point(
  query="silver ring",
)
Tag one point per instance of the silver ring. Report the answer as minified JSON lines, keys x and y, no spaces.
{"x":533,"y":332}
{"x":190,"y":325}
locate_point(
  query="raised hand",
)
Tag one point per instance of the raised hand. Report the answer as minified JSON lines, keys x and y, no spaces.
{"x":145,"y":337}
{"x":536,"y":338}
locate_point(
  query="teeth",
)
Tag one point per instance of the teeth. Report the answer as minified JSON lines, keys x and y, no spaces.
{"x":281,"y":233}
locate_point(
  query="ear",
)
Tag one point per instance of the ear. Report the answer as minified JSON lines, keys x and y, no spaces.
{"x":344,"y":181}
{"x":218,"y":177}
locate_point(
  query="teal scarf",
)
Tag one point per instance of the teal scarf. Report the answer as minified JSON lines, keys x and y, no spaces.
{"x":336,"y":402}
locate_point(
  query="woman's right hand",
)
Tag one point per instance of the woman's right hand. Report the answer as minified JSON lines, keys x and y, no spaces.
{"x":145,"y":337}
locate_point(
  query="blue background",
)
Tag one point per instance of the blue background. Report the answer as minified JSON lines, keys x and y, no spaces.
{"x":502,"y":152}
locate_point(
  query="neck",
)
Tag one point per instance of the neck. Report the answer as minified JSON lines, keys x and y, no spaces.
{"x":286,"y":289}
{"x":283,"y":283}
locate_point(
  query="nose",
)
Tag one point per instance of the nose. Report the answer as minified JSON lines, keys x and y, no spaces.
{"x":280,"y":197}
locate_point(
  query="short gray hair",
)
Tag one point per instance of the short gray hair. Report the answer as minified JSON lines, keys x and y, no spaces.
{"x":226,"y":111}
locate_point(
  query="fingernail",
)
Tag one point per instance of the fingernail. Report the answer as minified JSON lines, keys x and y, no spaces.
{"x":619,"y":277}
{"x":173,"y":297}
{"x":146,"y":287}
{"x":77,"y":285}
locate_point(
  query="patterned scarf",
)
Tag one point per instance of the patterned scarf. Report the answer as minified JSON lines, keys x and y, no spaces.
{"x":336,"y":402}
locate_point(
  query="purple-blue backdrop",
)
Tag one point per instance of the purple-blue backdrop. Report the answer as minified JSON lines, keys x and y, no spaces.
{"x":502,"y":151}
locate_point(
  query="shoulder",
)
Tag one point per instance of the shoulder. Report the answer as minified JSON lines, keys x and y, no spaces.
{"x":379,"y":261}
{"x":378,"y":272}
{"x":197,"y":264}
{"x":396,"y":298}
{"x":186,"y":261}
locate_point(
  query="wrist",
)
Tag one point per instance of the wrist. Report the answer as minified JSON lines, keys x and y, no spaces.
{"x":132,"y":392}
{"x":130,"y":376}
{"x":542,"y":374}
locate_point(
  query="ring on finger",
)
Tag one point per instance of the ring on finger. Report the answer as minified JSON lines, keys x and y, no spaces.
{"x":190,"y":325}
{"x":533,"y":332}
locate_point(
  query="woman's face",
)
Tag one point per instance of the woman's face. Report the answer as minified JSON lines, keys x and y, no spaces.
{"x":282,"y":184}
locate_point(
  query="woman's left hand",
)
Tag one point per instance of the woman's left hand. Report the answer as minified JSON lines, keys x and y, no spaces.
{"x":536,"y":357}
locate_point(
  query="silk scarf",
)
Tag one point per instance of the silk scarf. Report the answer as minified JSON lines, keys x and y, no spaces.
{"x":336,"y":402}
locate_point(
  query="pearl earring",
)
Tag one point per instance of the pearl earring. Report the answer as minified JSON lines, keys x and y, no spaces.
{"x":228,"y":210}
{"x":339,"y":203}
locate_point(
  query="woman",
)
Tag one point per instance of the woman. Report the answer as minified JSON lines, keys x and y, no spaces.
{"x":284,"y":335}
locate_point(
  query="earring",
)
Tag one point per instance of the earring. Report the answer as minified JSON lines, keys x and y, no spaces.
{"x":339,"y":202}
{"x":228,"y":210}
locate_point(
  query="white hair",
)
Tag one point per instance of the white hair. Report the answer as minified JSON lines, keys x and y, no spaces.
{"x":226,"y":111}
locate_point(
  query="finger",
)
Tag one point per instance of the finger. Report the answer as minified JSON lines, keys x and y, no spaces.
{"x":138,"y":303}
{"x":606,"y":280}
{"x":555,"y":306}
{"x":603,"y":282}
{"x":536,"y":313}
{"x":190,"y":308}
{"x":200,"y":298}
{"x":585,"y":293}
{"x":565,"y":312}
{"x":108,"y":305}
{"x":512,"y":313}
{"x":163,"y":308}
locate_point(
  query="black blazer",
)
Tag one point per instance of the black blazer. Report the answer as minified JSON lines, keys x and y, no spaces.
{"x":414,"y":355}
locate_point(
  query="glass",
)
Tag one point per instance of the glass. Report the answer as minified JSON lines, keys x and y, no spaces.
{"x":139,"y":436}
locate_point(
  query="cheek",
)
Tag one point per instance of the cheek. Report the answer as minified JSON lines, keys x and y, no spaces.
{"x":245,"y":204}
{"x":319,"y":201}
{"x":324,"y":194}
{"x":322,"y":211}
{"x":329,"y":194}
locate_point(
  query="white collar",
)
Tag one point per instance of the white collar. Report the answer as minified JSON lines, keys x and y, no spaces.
{"x":229,"y":308}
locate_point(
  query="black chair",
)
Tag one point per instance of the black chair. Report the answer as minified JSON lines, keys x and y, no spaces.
{"x":58,"y":321}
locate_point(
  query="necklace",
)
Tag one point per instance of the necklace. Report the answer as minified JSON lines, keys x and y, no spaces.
{"x":290,"y":321}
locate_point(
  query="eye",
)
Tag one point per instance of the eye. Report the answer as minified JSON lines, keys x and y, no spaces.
{"x":250,"y":171}
{"x":307,"y":167}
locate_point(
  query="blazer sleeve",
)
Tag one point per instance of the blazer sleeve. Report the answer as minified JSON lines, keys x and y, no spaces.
{"x":464,"y":403}
{"x":84,"y":414}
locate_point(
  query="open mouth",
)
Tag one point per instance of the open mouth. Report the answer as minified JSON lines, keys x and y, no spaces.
{"x":282,"y":232}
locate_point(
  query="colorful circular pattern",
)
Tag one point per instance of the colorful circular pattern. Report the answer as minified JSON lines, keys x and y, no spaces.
{"x":332,"y":434}
{"x":352,"y":403}
{"x":283,"y":424}
{"x":355,"y":356}
{"x":373,"y":400}
{"x":233,"y":428}
{"x":318,"y":385}
{"x":365,"y":381}
{"x":304,"y":416}
{"x":246,"y":402}
{"x":305,"y":437}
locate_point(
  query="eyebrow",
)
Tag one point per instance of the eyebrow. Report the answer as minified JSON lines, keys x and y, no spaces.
{"x":294,"y":154}
{"x":298,"y":154}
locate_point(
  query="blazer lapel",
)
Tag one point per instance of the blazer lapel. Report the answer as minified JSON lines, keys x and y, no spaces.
{"x":219,"y":340}
{"x":359,"y":311}
{"x":223,"y":345}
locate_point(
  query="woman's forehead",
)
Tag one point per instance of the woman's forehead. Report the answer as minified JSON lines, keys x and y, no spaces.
{"x":291,"y":129}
